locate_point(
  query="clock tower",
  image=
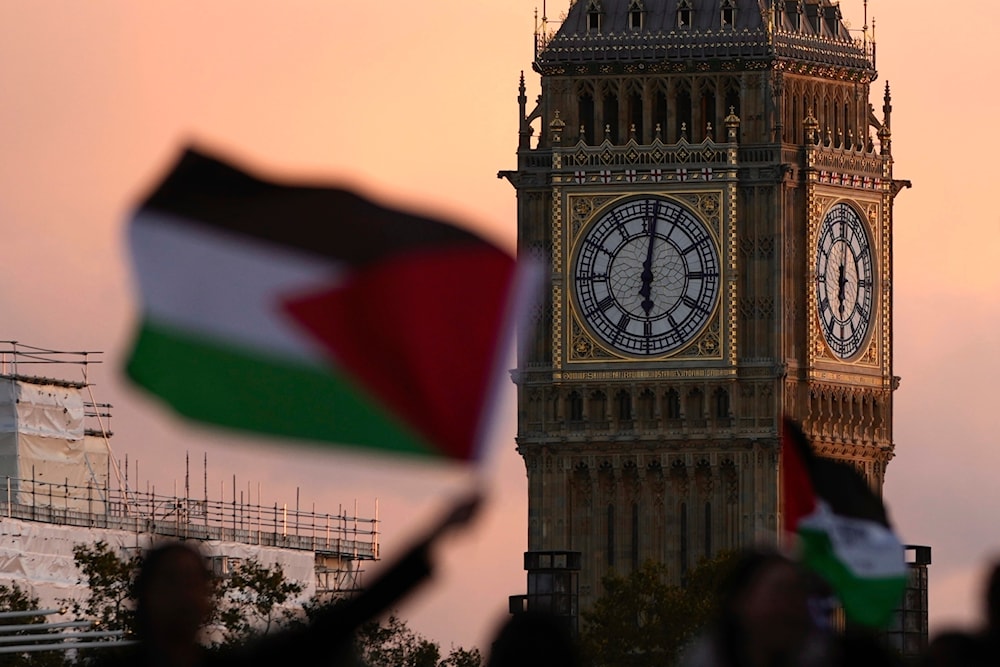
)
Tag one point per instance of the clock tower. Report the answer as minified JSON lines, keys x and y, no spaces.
{"x":712,"y":191}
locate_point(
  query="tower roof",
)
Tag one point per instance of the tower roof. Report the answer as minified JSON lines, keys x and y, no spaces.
{"x":810,"y":31}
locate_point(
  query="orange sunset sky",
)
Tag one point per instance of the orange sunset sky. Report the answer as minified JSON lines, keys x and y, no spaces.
{"x":415,"y":102}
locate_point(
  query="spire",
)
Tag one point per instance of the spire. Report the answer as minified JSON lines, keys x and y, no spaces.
{"x":885,"y":132}
{"x":524,"y":133}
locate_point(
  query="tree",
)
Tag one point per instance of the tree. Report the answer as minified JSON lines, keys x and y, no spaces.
{"x":247,"y":603}
{"x":109,"y":579}
{"x":253,"y":599}
{"x":643,"y":621}
{"x":13,"y":598}
{"x":391,"y":643}
{"x":460,"y":657}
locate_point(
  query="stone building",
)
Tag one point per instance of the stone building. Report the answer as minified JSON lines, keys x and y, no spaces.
{"x":712,"y":191}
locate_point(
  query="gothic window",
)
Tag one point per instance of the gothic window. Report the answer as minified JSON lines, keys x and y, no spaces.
{"x":660,"y":114}
{"x":796,"y":120}
{"x":684,"y":14}
{"x":636,"y":10}
{"x":635,"y":115}
{"x":611,"y":535}
{"x":635,"y":536}
{"x":826,"y":113}
{"x":793,"y":11}
{"x":721,"y":404}
{"x":610,"y":117}
{"x":683,"y":107}
{"x":833,"y":17}
{"x":707,"y":115}
{"x":847,"y":122}
{"x":594,"y":12}
{"x":839,"y":131}
{"x":534,"y":408}
{"x":574,"y":407}
{"x":646,"y":405}
{"x":694,"y":404}
{"x":816,"y":17}
{"x":598,"y":407}
{"x":732,"y":103}
{"x":708,"y":530}
{"x":623,"y":400}
{"x":684,"y":538}
{"x":585,"y":112}
{"x":673,"y":404}
{"x":728,"y":13}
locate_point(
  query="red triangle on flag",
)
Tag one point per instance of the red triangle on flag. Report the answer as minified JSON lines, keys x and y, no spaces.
{"x":798,"y":493}
{"x":419,"y":333}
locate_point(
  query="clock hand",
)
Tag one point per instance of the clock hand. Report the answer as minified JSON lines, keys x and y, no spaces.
{"x":841,"y":284}
{"x":647,"y":269}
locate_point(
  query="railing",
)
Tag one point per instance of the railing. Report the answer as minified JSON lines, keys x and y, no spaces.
{"x":275,"y":525}
{"x":685,"y":45}
{"x":18,"y":359}
{"x":35,"y":635}
{"x":27,"y":362}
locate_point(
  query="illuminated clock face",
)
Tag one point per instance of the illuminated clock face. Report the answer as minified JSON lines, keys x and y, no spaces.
{"x":845,"y":279}
{"x":646,"y":276}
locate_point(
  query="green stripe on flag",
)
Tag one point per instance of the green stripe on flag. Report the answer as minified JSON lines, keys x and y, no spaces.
{"x":869,"y":601}
{"x":237,"y":388}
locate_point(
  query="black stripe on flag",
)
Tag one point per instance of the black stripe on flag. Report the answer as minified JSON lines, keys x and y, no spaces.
{"x":331,"y":222}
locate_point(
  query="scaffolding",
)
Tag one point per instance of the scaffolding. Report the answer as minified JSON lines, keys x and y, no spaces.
{"x":340,"y":542}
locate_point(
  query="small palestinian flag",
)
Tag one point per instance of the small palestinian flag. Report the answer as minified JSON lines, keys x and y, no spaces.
{"x":843,"y":531}
{"x":313,"y":313}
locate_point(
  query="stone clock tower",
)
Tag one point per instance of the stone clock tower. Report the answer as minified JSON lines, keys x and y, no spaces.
{"x":712,"y":191}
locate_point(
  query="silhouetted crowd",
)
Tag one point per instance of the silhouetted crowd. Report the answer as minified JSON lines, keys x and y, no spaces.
{"x":767,"y":616}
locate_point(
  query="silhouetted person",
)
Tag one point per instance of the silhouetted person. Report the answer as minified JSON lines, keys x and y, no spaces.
{"x":863,"y":648}
{"x":533,"y":639}
{"x":763,"y":618}
{"x":992,"y":604}
{"x":173,"y":596}
{"x":956,"y":649}
{"x":173,"y":601}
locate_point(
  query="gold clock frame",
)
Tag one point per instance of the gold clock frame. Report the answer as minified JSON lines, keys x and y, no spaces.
{"x":874,"y":215}
{"x":575,"y":211}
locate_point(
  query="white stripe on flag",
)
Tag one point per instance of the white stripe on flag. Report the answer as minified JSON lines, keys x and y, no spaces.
{"x":223,"y":286}
{"x":869,"y":549}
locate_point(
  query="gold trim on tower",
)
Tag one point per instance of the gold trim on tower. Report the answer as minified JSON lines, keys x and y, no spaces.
{"x":714,"y":208}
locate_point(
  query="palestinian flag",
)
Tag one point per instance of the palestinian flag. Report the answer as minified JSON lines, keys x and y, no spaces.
{"x":843,"y":531}
{"x":311,"y":312}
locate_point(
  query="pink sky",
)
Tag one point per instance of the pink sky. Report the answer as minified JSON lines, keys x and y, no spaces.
{"x":416,"y":103}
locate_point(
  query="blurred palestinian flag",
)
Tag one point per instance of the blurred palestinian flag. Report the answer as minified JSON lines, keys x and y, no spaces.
{"x":311,"y":312}
{"x":843,"y":531}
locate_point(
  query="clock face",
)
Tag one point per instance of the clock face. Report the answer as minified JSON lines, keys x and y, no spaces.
{"x":646,"y":276}
{"x":845,"y":279}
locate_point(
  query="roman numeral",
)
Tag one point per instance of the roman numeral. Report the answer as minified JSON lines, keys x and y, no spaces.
{"x":596,"y":246}
{"x":694,"y":305}
{"x":694,"y":246}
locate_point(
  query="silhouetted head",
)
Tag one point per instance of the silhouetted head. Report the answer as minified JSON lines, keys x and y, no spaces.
{"x":956,"y":649}
{"x":993,"y":601}
{"x":763,"y":602}
{"x":533,"y":639}
{"x":173,"y":594}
